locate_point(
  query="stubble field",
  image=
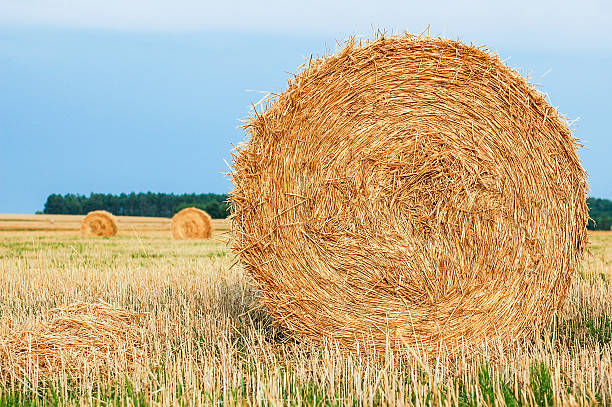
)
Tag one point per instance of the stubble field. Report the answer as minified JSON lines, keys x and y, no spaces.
{"x":200,"y":338}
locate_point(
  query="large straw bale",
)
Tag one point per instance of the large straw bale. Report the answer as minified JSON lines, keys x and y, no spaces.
{"x":76,"y":338}
{"x":191,"y":223}
{"x":410,"y":192}
{"x":99,"y":223}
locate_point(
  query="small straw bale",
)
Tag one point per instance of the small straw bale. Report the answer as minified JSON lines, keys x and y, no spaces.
{"x":410,"y":192}
{"x":78,"y":337}
{"x":99,"y":223}
{"x":191,"y":223}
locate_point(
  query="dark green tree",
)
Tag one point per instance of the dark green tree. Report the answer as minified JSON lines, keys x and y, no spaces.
{"x":600,"y":213}
{"x":136,"y":204}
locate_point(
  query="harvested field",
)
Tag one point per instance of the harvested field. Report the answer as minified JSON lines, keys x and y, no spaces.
{"x":203,"y":339}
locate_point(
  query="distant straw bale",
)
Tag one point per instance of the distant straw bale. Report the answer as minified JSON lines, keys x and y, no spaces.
{"x":410,"y":192}
{"x":99,"y":223}
{"x":191,"y":223}
{"x":76,"y":338}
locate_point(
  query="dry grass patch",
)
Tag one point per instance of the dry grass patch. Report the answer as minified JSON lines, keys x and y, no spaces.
{"x":76,"y":338}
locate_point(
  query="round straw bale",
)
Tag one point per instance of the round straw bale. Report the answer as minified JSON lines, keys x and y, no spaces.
{"x":410,"y":192}
{"x":99,"y":223}
{"x":191,"y":223}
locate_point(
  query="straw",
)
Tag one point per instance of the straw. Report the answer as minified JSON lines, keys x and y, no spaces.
{"x":191,"y":223}
{"x":73,"y":338}
{"x":99,"y":223}
{"x":413,"y":191}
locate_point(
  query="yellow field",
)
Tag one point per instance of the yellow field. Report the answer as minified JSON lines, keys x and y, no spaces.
{"x":203,"y":340}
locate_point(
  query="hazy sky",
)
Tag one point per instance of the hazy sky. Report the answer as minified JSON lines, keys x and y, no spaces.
{"x":121,"y":96}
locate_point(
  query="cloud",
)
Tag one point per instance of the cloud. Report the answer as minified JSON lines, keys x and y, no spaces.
{"x":557,"y":23}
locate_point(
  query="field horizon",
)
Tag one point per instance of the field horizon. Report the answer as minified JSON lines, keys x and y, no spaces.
{"x":50,"y":222}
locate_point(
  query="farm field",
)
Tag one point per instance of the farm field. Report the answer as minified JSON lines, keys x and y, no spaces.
{"x":200,"y":338}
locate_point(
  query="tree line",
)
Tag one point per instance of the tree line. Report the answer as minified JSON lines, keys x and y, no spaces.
{"x":166,"y":205}
{"x":137,"y":204}
{"x":600,"y":213}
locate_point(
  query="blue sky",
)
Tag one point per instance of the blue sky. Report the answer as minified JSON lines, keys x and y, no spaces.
{"x":118,"y":96}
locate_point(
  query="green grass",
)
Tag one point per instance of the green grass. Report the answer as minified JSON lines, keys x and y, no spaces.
{"x":580,"y":333}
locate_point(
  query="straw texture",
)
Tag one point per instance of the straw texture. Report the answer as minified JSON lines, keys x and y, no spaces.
{"x":73,"y":338}
{"x":99,"y":223}
{"x":410,"y":192}
{"x":191,"y":223}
